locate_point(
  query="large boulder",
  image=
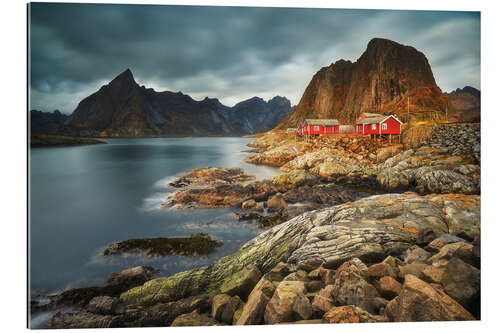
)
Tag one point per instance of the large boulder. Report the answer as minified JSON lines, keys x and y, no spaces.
{"x":351,"y":288}
{"x":463,"y":283}
{"x":132,"y":277}
{"x":323,"y":300}
{"x":302,"y":309}
{"x":224,"y":307}
{"x":461,"y":250}
{"x":276,"y":203}
{"x":253,"y":310}
{"x":388,"y":287}
{"x":242,"y":282}
{"x":278,"y":273}
{"x":376,"y":271}
{"x":415,"y":253}
{"x":419,"y":301}
{"x":280,"y":307}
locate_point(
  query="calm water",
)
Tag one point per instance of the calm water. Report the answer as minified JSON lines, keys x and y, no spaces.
{"x":84,"y":198}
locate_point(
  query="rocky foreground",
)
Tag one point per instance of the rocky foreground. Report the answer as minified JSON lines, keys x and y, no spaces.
{"x":334,"y":250}
{"x":393,"y":257}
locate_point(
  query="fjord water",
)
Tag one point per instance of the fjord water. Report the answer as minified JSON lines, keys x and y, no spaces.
{"x":84,"y":198}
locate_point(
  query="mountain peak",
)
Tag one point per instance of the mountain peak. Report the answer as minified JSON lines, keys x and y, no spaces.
{"x":124,"y":77}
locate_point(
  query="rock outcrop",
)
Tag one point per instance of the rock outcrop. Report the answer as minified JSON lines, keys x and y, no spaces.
{"x":368,"y":229}
{"x":381,"y":80}
{"x":196,"y":244}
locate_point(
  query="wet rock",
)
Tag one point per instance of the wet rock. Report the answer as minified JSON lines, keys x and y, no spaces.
{"x":276,"y":203}
{"x":194,"y":245}
{"x":248,"y":205}
{"x":280,"y":307}
{"x":252,"y":205}
{"x":224,"y":307}
{"x":103,"y":305}
{"x":418,"y":301}
{"x":194,"y":319}
{"x":349,"y":314}
{"x":242,"y":282}
{"x":132,"y":277}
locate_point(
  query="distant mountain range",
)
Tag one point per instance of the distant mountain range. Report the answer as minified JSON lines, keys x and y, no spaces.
{"x":385,"y":77}
{"x":122,"y":108}
{"x":464,"y":104}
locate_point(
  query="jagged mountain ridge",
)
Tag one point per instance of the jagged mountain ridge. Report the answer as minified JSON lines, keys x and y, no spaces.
{"x":464,"y":104}
{"x":381,"y":80}
{"x":123,"y":108}
{"x":47,"y":122}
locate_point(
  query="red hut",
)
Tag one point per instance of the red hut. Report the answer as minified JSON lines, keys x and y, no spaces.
{"x":320,"y":126}
{"x":374,"y":123}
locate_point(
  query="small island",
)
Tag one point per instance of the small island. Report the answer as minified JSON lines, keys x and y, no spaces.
{"x":45,"y":140}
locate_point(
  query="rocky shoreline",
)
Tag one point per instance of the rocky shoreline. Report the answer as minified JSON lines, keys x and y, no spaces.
{"x":334,"y":248}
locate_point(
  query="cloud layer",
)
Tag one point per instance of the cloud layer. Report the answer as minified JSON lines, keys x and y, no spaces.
{"x":231,"y":53}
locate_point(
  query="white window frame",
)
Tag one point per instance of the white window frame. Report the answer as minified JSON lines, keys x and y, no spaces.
{"x":384,"y":126}
{"x":374,"y":126}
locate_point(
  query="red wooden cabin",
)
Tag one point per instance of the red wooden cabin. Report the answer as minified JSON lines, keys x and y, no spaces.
{"x":374,"y":123}
{"x":319,"y":126}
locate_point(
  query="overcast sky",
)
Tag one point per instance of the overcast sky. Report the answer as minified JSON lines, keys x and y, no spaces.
{"x":228,"y":53}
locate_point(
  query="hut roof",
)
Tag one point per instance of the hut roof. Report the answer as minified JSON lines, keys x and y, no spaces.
{"x":326,"y":122}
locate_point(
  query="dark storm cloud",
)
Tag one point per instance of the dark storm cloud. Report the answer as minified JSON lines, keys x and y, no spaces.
{"x":232,"y":53}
